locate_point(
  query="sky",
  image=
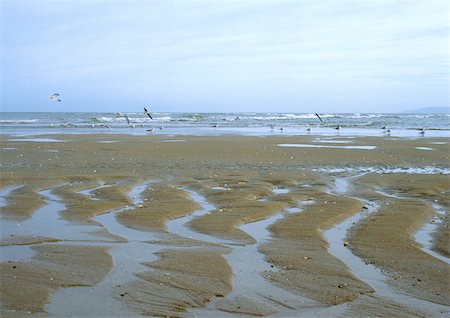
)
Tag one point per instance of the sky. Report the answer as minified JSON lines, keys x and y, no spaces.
{"x":297,"y":56}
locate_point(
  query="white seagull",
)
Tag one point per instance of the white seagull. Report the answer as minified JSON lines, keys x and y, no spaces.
{"x":54,"y":97}
{"x":123,"y":115}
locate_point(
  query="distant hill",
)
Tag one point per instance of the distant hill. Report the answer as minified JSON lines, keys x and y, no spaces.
{"x":429,"y":110}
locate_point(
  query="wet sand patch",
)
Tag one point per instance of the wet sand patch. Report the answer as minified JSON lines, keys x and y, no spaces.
{"x":300,"y":252}
{"x":236,"y":206}
{"x":431,"y":188}
{"x":179,"y":280}
{"x":382,"y":241}
{"x":26,"y":240}
{"x":370,"y":306}
{"x":238,"y":175}
{"x":163,"y":203}
{"x":82,"y":208}
{"x":25,"y":200}
{"x":54,"y":267}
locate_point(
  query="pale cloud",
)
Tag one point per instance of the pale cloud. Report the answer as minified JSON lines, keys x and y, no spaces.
{"x":232,"y":50}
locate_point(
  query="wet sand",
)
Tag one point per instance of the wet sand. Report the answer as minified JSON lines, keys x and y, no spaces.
{"x":26,"y":287}
{"x":124,"y":221}
{"x":306,"y":265}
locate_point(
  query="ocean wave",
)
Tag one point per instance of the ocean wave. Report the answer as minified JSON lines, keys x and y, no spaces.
{"x":197,"y":117}
{"x":370,"y":121}
{"x":365,"y":124}
{"x":363,"y":116}
{"x":163,"y":118}
{"x":289,"y":116}
{"x":121,"y":119}
{"x":18,"y":121}
{"x":429,"y":115}
{"x":140,"y":120}
{"x":102,"y":119}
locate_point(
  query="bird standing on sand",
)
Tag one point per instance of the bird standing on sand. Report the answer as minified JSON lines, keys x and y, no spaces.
{"x":54,"y":97}
{"x":386,"y":130}
{"x":147,"y":113}
{"x":338,"y":128}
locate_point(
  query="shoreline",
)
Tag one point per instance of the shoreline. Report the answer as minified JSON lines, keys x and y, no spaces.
{"x":244,"y":180}
{"x":222,"y":131}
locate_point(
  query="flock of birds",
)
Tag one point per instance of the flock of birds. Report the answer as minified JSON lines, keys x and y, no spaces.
{"x":56,"y":98}
{"x":385,"y":129}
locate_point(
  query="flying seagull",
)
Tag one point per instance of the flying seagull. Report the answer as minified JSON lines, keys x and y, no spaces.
{"x":123,"y":115}
{"x":319,"y":117}
{"x":147,"y":113}
{"x":55,"y":97}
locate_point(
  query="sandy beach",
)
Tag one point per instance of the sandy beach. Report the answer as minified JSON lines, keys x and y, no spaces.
{"x":224,"y":226}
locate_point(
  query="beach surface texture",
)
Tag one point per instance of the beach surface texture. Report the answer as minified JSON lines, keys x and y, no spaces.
{"x":117,"y":225}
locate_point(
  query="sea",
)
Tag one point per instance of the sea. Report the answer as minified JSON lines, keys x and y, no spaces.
{"x":259,"y":124}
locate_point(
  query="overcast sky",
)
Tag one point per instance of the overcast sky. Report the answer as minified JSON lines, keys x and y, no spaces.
{"x":204,"y":56}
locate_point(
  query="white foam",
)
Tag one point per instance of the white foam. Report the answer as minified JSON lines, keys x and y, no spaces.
{"x":18,"y":121}
{"x":385,"y":170}
{"x":280,"y":191}
{"x":424,"y":148}
{"x":38,"y":140}
{"x":220,"y":188}
{"x":327,"y":146}
{"x":331,"y":141}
